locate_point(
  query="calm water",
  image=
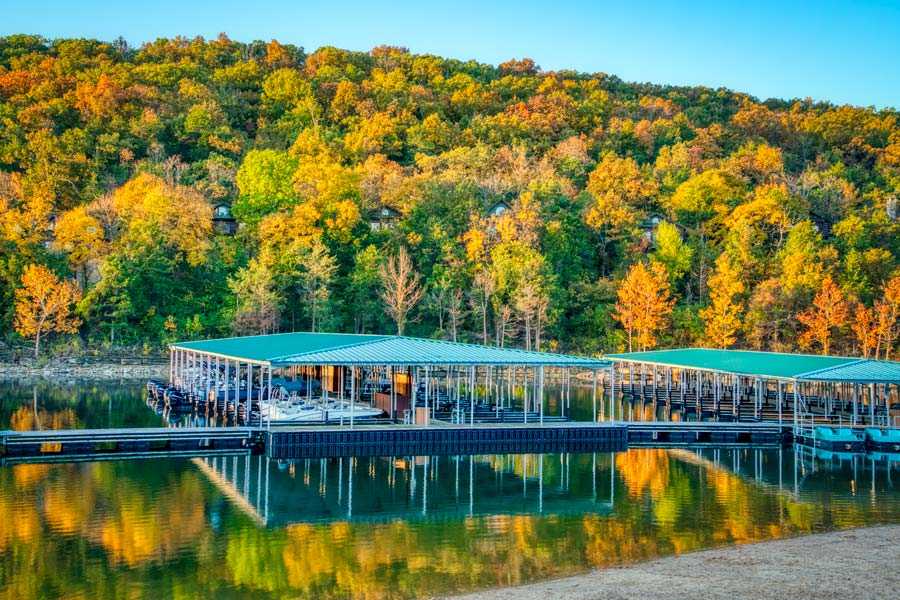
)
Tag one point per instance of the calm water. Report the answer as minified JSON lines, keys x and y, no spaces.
{"x":393,"y":527}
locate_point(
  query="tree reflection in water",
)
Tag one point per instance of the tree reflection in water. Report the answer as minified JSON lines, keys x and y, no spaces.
{"x":403,"y":527}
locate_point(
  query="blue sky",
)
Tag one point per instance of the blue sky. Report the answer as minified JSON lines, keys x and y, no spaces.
{"x":842,"y":52}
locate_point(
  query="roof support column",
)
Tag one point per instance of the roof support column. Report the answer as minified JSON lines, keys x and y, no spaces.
{"x":612,"y":393}
{"x":498,"y":404}
{"x":525,"y":394}
{"x":796,"y":403}
{"x":393,"y":411}
{"x":541,"y":392}
{"x":225,"y":385}
{"x":341,"y":394}
{"x":472,"y":399}
{"x":594,"y":404}
{"x":237,"y":389}
{"x":270,"y":403}
{"x":249,"y":394}
{"x":717,"y":392}
{"x":699,"y":389}
{"x":780,"y":400}
{"x":872,"y":405}
{"x":352,"y":396}
{"x":427,"y":394}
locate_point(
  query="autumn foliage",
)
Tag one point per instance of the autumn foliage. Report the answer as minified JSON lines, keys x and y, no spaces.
{"x":524,"y":198}
{"x":44,"y":305}
{"x":644,"y":305}
{"x":828,"y":312}
{"x":723,"y":316}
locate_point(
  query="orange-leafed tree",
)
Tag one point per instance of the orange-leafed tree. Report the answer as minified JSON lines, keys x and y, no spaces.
{"x":644,"y":304}
{"x":865,"y":329}
{"x":887,"y":315}
{"x":829,"y":311}
{"x":722,"y":317}
{"x":44,"y":305}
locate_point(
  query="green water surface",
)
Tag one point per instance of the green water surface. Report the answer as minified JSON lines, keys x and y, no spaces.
{"x":390,"y":527}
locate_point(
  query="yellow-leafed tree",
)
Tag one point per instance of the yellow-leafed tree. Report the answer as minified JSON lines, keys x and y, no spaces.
{"x":644,"y":304}
{"x":722,"y":317}
{"x":864,"y":327}
{"x":829,"y":310}
{"x":44,"y":305}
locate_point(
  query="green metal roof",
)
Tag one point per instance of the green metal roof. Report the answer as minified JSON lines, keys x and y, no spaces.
{"x":774,"y":365}
{"x":350,"y":349}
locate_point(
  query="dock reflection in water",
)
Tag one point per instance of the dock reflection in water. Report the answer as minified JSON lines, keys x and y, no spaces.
{"x":276,"y":493}
{"x":403,"y":527}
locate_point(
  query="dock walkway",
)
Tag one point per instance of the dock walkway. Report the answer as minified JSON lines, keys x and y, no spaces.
{"x":379,"y":439}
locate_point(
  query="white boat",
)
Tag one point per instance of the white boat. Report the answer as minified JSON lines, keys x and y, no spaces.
{"x":319,"y":411}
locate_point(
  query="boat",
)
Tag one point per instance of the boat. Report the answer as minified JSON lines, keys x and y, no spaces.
{"x":883,"y":440}
{"x":840,"y":439}
{"x":319,"y":411}
{"x":297,"y":387}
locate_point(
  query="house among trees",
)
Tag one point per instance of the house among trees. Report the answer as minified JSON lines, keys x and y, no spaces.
{"x":384,"y":217}
{"x":223,"y":220}
{"x":498,"y":208}
{"x":651,"y":224}
{"x":822,"y":224}
{"x":893,"y":208}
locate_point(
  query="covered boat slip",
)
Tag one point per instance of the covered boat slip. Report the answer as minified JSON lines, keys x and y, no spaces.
{"x":744,"y":385}
{"x":347,"y":377}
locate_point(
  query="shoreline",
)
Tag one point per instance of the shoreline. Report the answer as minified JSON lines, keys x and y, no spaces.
{"x":853,"y":563}
{"x":61,"y":371}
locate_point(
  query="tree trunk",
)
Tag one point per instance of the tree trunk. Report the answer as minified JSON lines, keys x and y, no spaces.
{"x":37,"y":344}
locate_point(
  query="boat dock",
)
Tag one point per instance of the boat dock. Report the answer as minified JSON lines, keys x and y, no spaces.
{"x":319,"y":441}
{"x":149,"y":442}
{"x":662,"y":433}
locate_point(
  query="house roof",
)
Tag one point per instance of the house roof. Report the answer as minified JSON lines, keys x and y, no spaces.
{"x":650,"y":223}
{"x":498,"y":203}
{"x":775,"y":365}
{"x":385,"y":211}
{"x":353,"y":349}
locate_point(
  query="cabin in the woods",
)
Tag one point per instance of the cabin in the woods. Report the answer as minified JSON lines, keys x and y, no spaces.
{"x":498,"y":208}
{"x":822,"y":224}
{"x":223,"y":220}
{"x":892,"y":207}
{"x":384,"y":217}
{"x":650,"y":225}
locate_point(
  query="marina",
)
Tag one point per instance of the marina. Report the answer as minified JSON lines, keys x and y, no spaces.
{"x":331,"y":395}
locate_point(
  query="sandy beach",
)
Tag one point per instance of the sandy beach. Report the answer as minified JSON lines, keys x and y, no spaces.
{"x":859,"y":563}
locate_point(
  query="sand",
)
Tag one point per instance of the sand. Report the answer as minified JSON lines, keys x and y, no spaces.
{"x":859,"y":563}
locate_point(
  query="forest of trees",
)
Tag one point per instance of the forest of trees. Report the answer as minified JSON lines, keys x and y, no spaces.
{"x":638,"y":216}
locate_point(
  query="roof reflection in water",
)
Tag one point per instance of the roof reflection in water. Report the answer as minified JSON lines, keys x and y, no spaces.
{"x":276,"y":493}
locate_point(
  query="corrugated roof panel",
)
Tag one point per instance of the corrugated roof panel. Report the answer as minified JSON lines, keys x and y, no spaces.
{"x":263,"y":347}
{"x":337,"y":349}
{"x":859,"y":371}
{"x":742,"y":362}
{"x":771,"y":364}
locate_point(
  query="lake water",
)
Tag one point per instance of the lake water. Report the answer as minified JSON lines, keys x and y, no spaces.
{"x":389,"y":527}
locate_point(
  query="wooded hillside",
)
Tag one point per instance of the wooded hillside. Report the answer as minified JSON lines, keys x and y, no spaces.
{"x":522,"y":197}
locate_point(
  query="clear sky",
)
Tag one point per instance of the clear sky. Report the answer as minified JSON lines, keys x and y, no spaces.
{"x":843,"y":52}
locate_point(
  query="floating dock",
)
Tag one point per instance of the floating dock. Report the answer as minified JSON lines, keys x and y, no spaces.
{"x":661,"y":433}
{"x":379,"y":440}
{"x":434,"y":441}
{"x":150,"y":442}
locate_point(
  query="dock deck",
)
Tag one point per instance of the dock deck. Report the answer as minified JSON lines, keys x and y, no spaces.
{"x":379,"y":439}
